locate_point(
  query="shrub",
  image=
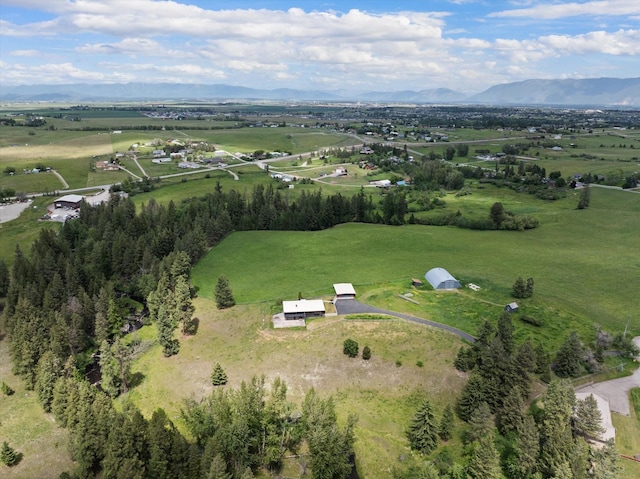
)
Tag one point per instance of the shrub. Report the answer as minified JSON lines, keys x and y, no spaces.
{"x":398,"y":362}
{"x":530,"y":320}
{"x":419,"y":363}
{"x":366,"y":353}
{"x":350,"y":348}
{"x":6,"y":389}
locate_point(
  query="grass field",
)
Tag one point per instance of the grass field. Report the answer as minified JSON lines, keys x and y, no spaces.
{"x":383,"y":395}
{"x":28,"y":430}
{"x":568,"y":256}
{"x":627,"y":436}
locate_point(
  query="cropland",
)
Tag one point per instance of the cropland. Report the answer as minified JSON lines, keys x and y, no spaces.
{"x":585,"y":262}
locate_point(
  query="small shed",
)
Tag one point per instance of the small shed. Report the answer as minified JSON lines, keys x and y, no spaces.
{"x":440,"y":278}
{"x":69,"y":201}
{"x":511,"y":307}
{"x":344,"y":291}
{"x":303,"y":308}
{"x":416,"y":282}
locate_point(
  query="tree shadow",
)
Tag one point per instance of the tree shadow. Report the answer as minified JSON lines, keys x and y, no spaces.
{"x":196,"y":324}
{"x":136,"y":380}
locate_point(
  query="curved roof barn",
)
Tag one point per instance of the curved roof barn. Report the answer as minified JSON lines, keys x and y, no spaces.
{"x":440,"y":278}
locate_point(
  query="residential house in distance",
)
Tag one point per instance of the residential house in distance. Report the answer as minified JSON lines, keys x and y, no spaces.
{"x":303,"y":309}
{"x":511,"y":307}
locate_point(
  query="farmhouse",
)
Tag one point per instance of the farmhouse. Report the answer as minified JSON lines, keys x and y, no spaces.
{"x":605,"y":412}
{"x":303,"y":308}
{"x":161,"y":160}
{"x":440,"y":278}
{"x":344,"y":291}
{"x":69,"y":201}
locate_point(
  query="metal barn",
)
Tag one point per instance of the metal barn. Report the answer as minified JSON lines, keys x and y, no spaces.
{"x":440,"y":278}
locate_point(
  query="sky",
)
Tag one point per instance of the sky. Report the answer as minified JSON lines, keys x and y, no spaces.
{"x":464,"y":45}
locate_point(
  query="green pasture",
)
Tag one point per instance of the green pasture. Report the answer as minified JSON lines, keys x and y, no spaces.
{"x":572,"y":257}
{"x":627,"y":438}
{"x":28,"y":183}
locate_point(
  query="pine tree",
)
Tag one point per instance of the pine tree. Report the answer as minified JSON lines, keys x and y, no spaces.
{"x":555,"y":429}
{"x":350,"y":347}
{"x":528,"y":289}
{"x":585,"y":197}
{"x":218,"y":376}
{"x":484,"y":461}
{"x":569,"y":358}
{"x":519,"y":289}
{"x":527,"y":447}
{"x":606,"y":462}
{"x":563,"y":471}
{"x":8,"y":455}
{"x":49,"y":369}
{"x":366,"y":353}
{"x":446,"y":423}
{"x":6,"y":389}
{"x":423,"y":430}
{"x":511,"y":415}
{"x":184,"y":306}
{"x":588,"y":419}
{"x":480,"y":423}
{"x":505,"y":332}
{"x":471,"y":396}
{"x":218,"y":469}
{"x":223,"y":294}
{"x":166,"y":327}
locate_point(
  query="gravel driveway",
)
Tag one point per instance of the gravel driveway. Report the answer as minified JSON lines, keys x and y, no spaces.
{"x":616,"y":391}
{"x":351,"y":306}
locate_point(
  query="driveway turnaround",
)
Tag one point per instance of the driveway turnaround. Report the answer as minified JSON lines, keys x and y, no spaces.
{"x":616,"y":391}
{"x":351,"y":306}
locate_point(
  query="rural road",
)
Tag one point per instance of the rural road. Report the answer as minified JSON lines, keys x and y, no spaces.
{"x":616,"y":391}
{"x":351,"y":306}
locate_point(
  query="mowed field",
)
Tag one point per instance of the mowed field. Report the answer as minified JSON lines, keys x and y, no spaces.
{"x":584,"y":263}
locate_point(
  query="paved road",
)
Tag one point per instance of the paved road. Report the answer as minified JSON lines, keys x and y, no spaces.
{"x":616,"y":391}
{"x":351,"y":306}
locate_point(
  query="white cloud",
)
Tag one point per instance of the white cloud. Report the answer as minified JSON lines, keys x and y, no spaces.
{"x":598,"y":8}
{"x":56,"y":73}
{"x":24,"y":53}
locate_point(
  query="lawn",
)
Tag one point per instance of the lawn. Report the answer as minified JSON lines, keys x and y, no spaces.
{"x":627,"y":437}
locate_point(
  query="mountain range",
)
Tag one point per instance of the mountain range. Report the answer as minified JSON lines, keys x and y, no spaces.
{"x":606,"y":92}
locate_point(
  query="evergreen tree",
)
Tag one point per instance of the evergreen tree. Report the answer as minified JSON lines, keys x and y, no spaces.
{"x":366,"y":353}
{"x":569,"y":358}
{"x":528,"y":289}
{"x":471,"y":396}
{"x":484,"y":460}
{"x":218,"y":468}
{"x":6,"y":389}
{"x":585,"y":197}
{"x":505,"y":332}
{"x":49,"y":369}
{"x":8,"y":455}
{"x":480,"y":423}
{"x":445,"y":429}
{"x":587,"y":419}
{"x":563,"y":471}
{"x":218,"y":376}
{"x":527,"y":448}
{"x":184,"y":306}
{"x":423,"y":430}
{"x":555,"y":431}
{"x":497,"y":214}
{"x":606,"y":462}
{"x":350,"y":347}
{"x":511,"y":415}
{"x":519,"y":289}
{"x":223,"y":294}
{"x":115,"y":366}
{"x":166,"y":327}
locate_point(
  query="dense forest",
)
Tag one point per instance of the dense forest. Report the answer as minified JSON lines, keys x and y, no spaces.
{"x":70,"y":301}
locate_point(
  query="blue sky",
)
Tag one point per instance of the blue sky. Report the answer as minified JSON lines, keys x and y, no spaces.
{"x":465,"y":45}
